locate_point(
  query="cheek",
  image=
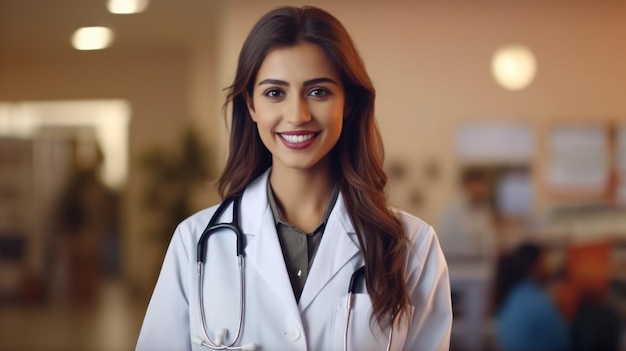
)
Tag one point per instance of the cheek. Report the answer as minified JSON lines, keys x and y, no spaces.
{"x":341,"y":109}
{"x":329,"y":113}
{"x":338,"y":117}
{"x":266,"y":115}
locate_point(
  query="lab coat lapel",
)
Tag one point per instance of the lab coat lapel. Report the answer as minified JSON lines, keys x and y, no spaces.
{"x":338,"y":246}
{"x":263,"y":252}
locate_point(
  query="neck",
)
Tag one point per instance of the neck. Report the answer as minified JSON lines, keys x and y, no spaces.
{"x":303,"y":195}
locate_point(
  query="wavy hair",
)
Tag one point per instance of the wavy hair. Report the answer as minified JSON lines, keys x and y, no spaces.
{"x":357,"y":158}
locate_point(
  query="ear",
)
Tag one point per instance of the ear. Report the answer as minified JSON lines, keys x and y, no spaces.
{"x":250,"y":105}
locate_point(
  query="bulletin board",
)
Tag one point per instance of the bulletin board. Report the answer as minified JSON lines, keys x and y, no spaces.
{"x":578,"y":158}
{"x":586,"y":162}
{"x":494,"y":142}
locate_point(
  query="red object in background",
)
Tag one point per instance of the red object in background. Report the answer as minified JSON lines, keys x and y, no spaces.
{"x":588,"y":268}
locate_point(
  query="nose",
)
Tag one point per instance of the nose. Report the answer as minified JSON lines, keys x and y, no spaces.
{"x":297,"y":112}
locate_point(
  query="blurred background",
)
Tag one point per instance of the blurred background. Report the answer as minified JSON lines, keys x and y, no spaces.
{"x":504,"y":124}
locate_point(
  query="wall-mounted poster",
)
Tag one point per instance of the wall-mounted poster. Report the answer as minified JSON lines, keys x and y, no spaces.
{"x":494,"y":142}
{"x":578,"y":158}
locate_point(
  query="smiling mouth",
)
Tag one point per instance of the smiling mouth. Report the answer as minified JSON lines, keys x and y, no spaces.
{"x":296,"y":139}
{"x":299,"y":139}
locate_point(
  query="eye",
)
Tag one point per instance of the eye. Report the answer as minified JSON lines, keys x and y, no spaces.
{"x":274,"y":93}
{"x":318,"y":92}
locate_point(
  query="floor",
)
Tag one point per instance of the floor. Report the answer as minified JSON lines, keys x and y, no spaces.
{"x":111,"y":324}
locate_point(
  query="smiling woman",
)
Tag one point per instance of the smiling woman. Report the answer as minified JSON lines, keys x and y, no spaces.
{"x":305,"y":188}
{"x":297,"y":103}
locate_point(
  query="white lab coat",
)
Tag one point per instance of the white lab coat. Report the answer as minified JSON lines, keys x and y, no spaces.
{"x":273,"y":320}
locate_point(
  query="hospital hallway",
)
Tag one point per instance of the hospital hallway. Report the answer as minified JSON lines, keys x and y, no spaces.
{"x":112,"y":323}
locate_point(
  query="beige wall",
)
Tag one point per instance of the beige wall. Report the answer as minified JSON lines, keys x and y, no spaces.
{"x":430,"y":63}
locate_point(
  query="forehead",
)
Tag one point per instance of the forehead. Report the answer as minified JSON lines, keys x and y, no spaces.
{"x":297,"y":63}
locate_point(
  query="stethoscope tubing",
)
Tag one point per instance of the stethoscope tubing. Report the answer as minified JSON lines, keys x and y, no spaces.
{"x":208,"y":340}
{"x":211,"y":228}
{"x":352,"y":287}
{"x":233,"y":226}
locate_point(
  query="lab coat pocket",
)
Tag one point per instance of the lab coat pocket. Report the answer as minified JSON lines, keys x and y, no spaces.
{"x":363,"y":335}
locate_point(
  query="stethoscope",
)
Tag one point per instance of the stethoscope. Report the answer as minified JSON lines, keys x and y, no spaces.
{"x":219,"y":342}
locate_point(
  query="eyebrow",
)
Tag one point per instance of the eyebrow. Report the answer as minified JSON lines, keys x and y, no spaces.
{"x":306,"y":83}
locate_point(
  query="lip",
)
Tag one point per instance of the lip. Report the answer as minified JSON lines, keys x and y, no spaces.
{"x":299,"y":132}
{"x":302,"y":145}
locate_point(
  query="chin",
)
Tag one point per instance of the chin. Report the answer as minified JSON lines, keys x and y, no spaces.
{"x":300,"y":164}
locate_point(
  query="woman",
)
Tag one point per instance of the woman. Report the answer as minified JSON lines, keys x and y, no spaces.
{"x":528,"y":320}
{"x":306,"y":161}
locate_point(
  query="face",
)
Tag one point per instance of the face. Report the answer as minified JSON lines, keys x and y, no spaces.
{"x":542,"y":271}
{"x":476,"y":190}
{"x":298,"y":106}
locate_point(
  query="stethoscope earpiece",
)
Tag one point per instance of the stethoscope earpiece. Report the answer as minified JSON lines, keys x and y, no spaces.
{"x":219,"y":339}
{"x":197,"y":340}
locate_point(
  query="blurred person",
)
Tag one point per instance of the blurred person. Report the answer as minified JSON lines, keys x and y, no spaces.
{"x":87,"y":219}
{"x":466,"y":226}
{"x":304,"y":178}
{"x":596,"y":326}
{"x":527,"y":317}
{"x":466,"y":231}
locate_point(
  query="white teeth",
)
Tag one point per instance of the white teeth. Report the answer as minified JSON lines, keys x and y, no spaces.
{"x":295,"y":139}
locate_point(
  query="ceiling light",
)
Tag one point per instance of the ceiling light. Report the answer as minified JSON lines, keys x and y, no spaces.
{"x":514,"y":67}
{"x":92,"y":38}
{"x":123,"y":7}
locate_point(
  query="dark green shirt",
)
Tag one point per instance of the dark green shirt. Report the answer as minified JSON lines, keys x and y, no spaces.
{"x":298,"y":248}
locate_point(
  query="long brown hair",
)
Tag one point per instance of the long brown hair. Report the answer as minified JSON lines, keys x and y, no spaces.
{"x":357,"y":158}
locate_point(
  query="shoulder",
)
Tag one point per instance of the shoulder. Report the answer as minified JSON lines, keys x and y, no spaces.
{"x":421,"y":235}
{"x":254,"y":200}
{"x":190,"y":229}
{"x":527,"y":297}
{"x":425,"y":258}
{"x":198,"y":220}
{"x":530,"y":289}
